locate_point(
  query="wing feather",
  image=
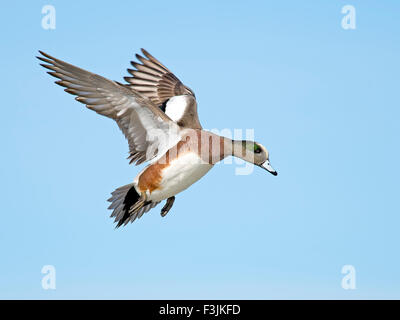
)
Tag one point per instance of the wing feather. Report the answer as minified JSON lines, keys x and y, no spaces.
{"x":156,"y":82}
{"x":149,"y":131}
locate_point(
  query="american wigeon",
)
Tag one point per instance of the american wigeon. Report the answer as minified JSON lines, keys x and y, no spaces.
{"x":158,"y":115}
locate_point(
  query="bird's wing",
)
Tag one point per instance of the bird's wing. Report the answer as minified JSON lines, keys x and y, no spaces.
{"x":154,"y":81}
{"x":150,"y":132}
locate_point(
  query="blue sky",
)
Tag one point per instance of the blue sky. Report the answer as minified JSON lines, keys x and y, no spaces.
{"x":324,"y":100}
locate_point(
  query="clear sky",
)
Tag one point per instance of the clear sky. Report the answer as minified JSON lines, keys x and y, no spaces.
{"x":323,"y":99}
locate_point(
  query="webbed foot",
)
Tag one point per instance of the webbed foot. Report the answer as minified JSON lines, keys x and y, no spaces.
{"x":167,"y":206}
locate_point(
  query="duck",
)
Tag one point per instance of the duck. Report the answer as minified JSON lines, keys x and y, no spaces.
{"x":158,"y":116}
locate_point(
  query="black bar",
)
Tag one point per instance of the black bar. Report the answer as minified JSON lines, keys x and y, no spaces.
{"x":203,"y":309}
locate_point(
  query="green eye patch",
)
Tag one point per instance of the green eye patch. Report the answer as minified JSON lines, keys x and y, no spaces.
{"x":252,"y":146}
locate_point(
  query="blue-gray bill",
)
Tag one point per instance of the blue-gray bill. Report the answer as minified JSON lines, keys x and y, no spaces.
{"x":267,"y":166}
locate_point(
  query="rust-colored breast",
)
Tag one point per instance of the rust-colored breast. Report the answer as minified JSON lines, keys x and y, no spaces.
{"x":201,"y":142}
{"x":151,"y":177}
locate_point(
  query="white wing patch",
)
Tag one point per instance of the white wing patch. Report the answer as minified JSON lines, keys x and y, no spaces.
{"x":176,"y":107}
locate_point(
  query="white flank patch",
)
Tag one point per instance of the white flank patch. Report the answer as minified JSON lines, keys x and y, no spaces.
{"x":176,"y":107}
{"x":179,"y":175}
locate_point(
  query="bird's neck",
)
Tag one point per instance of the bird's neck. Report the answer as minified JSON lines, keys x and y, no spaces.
{"x":237,"y":148}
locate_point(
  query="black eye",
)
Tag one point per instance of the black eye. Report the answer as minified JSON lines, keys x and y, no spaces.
{"x":258,"y":150}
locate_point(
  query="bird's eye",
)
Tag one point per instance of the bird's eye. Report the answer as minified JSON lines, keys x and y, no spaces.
{"x":257,"y":149}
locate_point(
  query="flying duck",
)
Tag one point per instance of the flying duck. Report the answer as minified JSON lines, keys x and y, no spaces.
{"x":157,"y":114}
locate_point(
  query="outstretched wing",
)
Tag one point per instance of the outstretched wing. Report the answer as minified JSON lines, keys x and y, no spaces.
{"x":154,"y":81}
{"x":150,"y":132}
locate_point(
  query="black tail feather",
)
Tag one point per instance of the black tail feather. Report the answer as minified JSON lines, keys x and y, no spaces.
{"x":128,"y":205}
{"x":130,"y":199}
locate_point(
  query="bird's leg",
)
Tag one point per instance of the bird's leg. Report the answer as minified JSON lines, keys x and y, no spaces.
{"x":167,"y":206}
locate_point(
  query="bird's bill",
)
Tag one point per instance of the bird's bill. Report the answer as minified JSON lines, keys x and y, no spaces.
{"x":267,"y":166}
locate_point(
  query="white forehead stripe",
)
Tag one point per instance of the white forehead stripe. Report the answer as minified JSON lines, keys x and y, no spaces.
{"x":176,"y":107}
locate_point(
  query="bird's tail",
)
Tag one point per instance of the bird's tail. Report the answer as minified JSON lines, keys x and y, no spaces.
{"x":128,"y":205}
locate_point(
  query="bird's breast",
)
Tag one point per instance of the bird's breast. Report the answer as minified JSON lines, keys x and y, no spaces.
{"x":161,"y":181}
